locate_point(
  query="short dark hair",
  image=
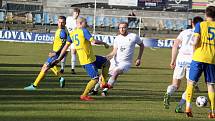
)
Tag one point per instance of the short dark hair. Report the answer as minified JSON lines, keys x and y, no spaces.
{"x":62,"y":17}
{"x":197,"y":19}
{"x":76,"y":10}
{"x":210,"y":11}
{"x":126,"y":23}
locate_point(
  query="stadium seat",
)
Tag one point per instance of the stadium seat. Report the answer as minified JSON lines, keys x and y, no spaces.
{"x":2,"y":16}
{"x":99,"y":21}
{"x":9,"y":17}
{"x":124,"y":19}
{"x":29,"y":18}
{"x":106,"y":21}
{"x":55,"y":19}
{"x":37,"y":19}
{"x":90,"y":21}
{"x":114,"y":22}
{"x":168,"y":24}
{"x":46,"y":18}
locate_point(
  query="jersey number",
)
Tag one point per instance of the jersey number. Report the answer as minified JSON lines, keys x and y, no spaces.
{"x":211,"y":31}
{"x":75,"y":39}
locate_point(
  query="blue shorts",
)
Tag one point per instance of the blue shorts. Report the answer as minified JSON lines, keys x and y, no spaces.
{"x":50,"y":60}
{"x":92,"y":68}
{"x":196,"y":69}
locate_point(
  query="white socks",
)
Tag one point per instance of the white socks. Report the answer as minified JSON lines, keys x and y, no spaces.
{"x":73,"y":60}
{"x":171,"y":89}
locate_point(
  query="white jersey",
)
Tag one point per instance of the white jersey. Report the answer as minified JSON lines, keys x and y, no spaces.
{"x":186,"y":38}
{"x":184,"y":57}
{"x":125,"y":47}
{"x":71,"y":23}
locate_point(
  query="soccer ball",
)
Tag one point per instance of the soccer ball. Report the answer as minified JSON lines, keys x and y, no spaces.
{"x":201,"y":101}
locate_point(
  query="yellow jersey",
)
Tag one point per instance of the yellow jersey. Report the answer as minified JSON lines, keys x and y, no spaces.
{"x":205,"y":49}
{"x":81,"y":38}
{"x":61,"y":35}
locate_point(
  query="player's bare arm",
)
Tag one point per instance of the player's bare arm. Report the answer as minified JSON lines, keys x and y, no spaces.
{"x":195,"y":41}
{"x":175,"y":46}
{"x":138,"y":60}
{"x":100,"y":43}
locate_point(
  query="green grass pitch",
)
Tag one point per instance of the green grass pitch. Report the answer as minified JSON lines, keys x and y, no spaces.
{"x":138,"y":95}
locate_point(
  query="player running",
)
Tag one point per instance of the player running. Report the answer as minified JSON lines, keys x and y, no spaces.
{"x":71,"y":25}
{"x":122,"y":55}
{"x":203,"y":60}
{"x":180,"y":62}
{"x":82,"y":40}
{"x":61,"y":36}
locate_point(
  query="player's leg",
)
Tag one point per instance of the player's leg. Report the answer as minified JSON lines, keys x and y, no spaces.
{"x":40,"y":76}
{"x":209,"y":73}
{"x":194,"y":75}
{"x":58,"y":74}
{"x":112,"y":80}
{"x":104,"y":72}
{"x":179,"y":108}
{"x":93,"y":73}
{"x":63,"y":63}
{"x":178,"y":74}
{"x":73,"y":58}
{"x":211,"y":96}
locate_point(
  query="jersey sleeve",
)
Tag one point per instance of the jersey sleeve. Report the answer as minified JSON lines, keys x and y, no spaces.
{"x":180,"y":36}
{"x":87,"y":35}
{"x":197,"y":30}
{"x":138,"y":40}
{"x":115,"y":44}
{"x":69,"y":40}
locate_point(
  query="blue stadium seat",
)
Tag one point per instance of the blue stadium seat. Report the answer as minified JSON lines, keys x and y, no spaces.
{"x":2,"y":16}
{"x":37,"y":19}
{"x":90,"y":21}
{"x":168,"y":24}
{"x":124,"y":19}
{"x":106,"y":21}
{"x":46,"y":18}
{"x":99,"y":21}
{"x":55,"y":19}
{"x":114,"y":22}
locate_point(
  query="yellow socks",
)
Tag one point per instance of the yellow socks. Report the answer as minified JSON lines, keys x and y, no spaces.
{"x":55,"y":71}
{"x":89,"y":86}
{"x":211,"y":98}
{"x":39,"y":78}
{"x":104,"y":75}
{"x":189,"y":95}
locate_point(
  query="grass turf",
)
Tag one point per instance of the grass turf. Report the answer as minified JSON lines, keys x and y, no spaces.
{"x":138,"y":95}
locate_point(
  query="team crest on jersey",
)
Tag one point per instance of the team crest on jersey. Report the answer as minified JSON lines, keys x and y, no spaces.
{"x":122,"y":48}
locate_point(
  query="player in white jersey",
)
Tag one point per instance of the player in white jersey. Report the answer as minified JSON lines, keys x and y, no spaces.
{"x":122,"y":55}
{"x":180,"y":62}
{"x":71,"y":25}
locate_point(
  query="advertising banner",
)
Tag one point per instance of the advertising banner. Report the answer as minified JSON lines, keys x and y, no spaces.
{"x":179,"y":4}
{"x":199,"y":4}
{"x":123,"y":2}
{"x":151,"y":4}
{"x":20,"y":36}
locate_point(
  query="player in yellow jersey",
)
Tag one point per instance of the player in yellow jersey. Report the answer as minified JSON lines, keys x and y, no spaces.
{"x":203,"y":60}
{"x":82,"y":39}
{"x":61,"y":36}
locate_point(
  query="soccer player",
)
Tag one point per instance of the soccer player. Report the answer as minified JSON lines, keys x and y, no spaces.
{"x":122,"y":55}
{"x":180,"y":62}
{"x":61,"y":35}
{"x":71,"y":25}
{"x":203,"y":60}
{"x":82,"y":40}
